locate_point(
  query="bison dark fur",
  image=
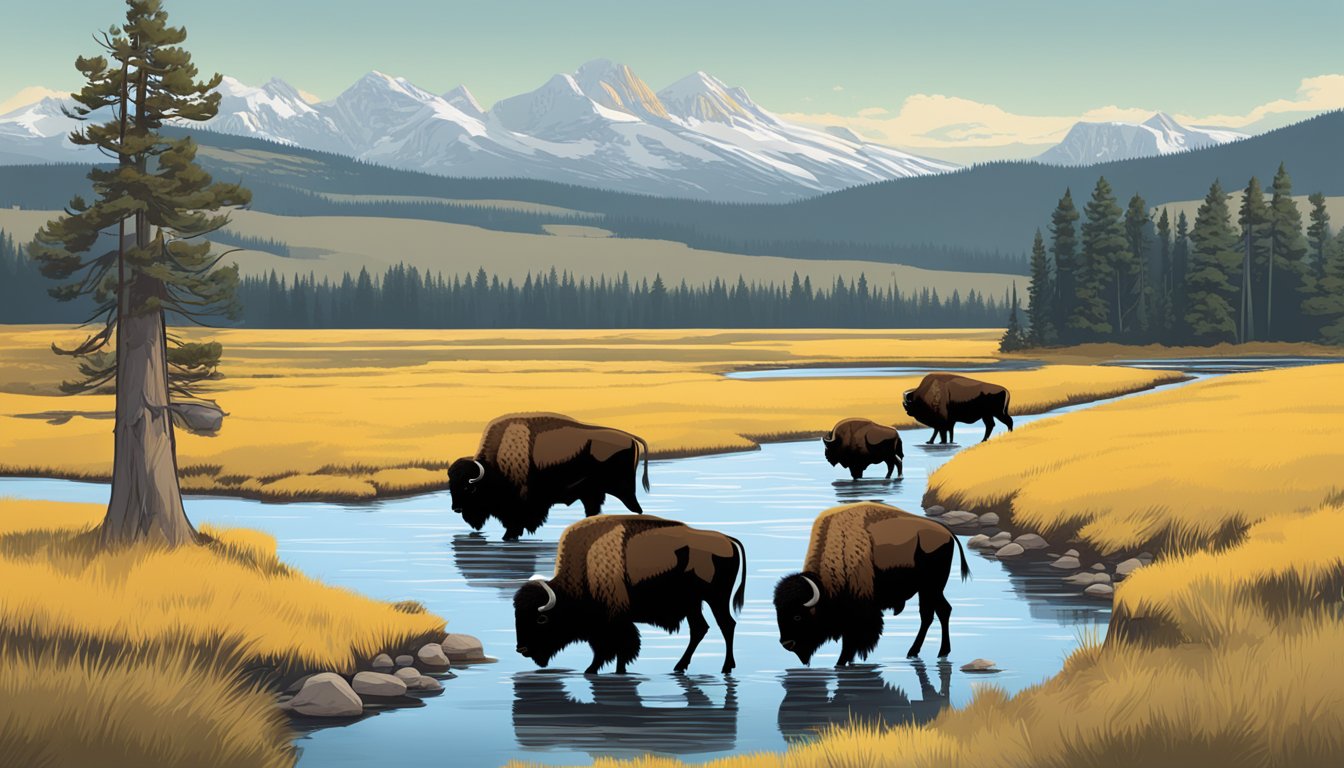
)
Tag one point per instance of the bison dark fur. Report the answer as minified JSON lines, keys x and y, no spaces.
{"x":857,"y":444}
{"x":943,"y":399}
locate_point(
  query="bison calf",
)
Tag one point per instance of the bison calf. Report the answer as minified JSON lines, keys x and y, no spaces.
{"x":614,"y":572}
{"x":943,"y":399}
{"x":857,"y":444}
{"x":529,"y":462}
{"x":864,"y":559}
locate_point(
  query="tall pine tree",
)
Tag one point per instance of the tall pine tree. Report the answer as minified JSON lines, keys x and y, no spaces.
{"x":1215,"y":263}
{"x":1180,"y":269}
{"x":160,"y":203}
{"x":1327,"y":306}
{"x":1103,"y":249}
{"x":1040,"y":294}
{"x":1253,"y":216}
{"x":1064,"y":249}
{"x":1288,"y":281}
{"x":1131,"y":275}
{"x":1164,"y":327}
{"x":1318,"y":234}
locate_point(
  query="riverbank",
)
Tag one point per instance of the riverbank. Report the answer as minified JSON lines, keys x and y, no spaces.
{"x":1223,"y":650}
{"x":142,"y":655}
{"x":359,"y":415}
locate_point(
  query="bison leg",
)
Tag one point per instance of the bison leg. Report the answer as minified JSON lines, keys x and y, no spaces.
{"x":860,"y":637}
{"x":856,"y":472}
{"x":592,"y":505}
{"x":699,"y":628}
{"x":892,"y":466}
{"x":926,"y":611}
{"x":1006,"y":419}
{"x":627,"y":497}
{"x":989,"y":428}
{"x":936,"y":434}
{"x":944,"y":611}
{"x":723,"y":616}
{"x":950,"y":436}
{"x":512,"y":534}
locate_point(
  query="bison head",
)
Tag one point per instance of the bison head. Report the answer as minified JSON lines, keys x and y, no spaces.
{"x":544,"y":621}
{"x":801,"y":610}
{"x":466,"y":483}
{"x":832,"y":453}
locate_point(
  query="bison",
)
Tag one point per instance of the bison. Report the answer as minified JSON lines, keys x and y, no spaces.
{"x":862,"y":560}
{"x":857,"y":444}
{"x":528,"y":462}
{"x":614,"y":572}
{"x":943,"y":399}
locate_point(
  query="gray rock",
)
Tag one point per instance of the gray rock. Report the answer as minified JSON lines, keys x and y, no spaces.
{"x":432,"y":655}
{"x":381,"y":662}
{"x":1146,"y":557}
{"x":201,"y":418}
{"x":1129,"y":566}
{"x":979,"y":665}
{"x":1098,"y":566}
{"x":297,"y":685}
{"x":1081,"y":579}
{"x":378,"y":684}
{"x":405,"y":660}
{"x":988,"y":519}
{"x":1067,"y":563}
{"x":978,"y":541}
{"x":1002,"y":536}
{"x":1030,"y":541}
{"x":463,"y":648}
{"x":959,"y":517}
{"x":1009,"y":550}
{"x":1099,"y":590}
{"x":327,"y":695}
{"x":936,"y":510}
{"x":1071,"y":553}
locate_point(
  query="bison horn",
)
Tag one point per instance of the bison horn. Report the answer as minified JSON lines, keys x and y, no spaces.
{"x":550,"y":595}
{"x":816,"y":593}
{"x":480,"y":473}
{"x":830,"y":438}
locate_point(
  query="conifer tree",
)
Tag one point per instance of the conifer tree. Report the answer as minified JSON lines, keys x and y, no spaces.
{"x":1040,"y":293}
{"x":1103,"y":249}
{"x":1013,"y":339}
{"x":1253,"y":216}
{"x":1318,"y":234}
{"x":160,"y":203}
{"x":1327,"y":305}
{"x":1180,"y":269}
{"x":1215,"y":264}
{"x":1131,"y":274}
{"x":1287,"y":281}
{"x":1064,"y":249}
{"x":1162,"y":298}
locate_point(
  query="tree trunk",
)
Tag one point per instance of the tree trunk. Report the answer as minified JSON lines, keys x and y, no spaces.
{"x":146,"y":501}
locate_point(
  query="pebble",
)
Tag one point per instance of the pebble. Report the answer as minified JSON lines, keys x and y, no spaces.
{"x":1127,"y":567}
{"x":381,"y":662}
{"x":1067,"y":562}
{"x":405,"y":660}
{"x":959,"y":517}
{"x":1099,"y":590}
{"x":989,"y":519}
{"x":1030,"y":541}
{"x":1098,"y":566}
{"x":979,"y":665}
{"x":979,"y":541}
{"x":936,"y":510}
{"x":1009,"y":551}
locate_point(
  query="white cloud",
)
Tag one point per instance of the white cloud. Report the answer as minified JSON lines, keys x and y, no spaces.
{"x":936,"y":121}
{"x":837,"y":88}
{"x":30,"y":95}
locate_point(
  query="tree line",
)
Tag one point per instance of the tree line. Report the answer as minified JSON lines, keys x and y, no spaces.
{"x":406,"y":297}
{"x":1135,"y":276}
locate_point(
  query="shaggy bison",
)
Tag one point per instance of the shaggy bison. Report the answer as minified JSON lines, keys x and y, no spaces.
{"x":863,"y":559}
{"x":614,"y":572}
{"x":943,"y":399}
{"x":857,"y":444}
{"x":529,"y":462}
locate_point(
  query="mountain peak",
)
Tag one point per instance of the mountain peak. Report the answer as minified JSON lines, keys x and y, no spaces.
{"x":1163,"y":122}
{"x":463,"y":99}
{"x":701,"y":96}
{"x":616,"y":86}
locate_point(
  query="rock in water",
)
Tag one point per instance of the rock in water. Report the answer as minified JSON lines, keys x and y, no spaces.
{"x":1099,"y":590}
{"x":936,"y":510}
{"x":418,"y":682}
{"x":1124,"y":569}
{"x":978,"y":541}
{"x":378,"y":684}
{"x":197,"y":418}
{"x":989,"y":519}
{"x":1030,"y":541}
{"x":1067,"y":562}
{"x":327,"y":695}
{"x":405,"y":660}
{"x":980,"y":665}
{"x":959,"y":517}
{"x":462,"y":648}
{"x":432,"y":655}
{"x":1009,"y":551}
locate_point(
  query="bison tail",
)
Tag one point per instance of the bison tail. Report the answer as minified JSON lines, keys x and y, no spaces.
{"x":645,"y":445}
{"x":740,"y":598}
{"x":965,"y":569}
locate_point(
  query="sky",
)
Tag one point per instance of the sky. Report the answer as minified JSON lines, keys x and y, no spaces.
{"x":966,"y":74}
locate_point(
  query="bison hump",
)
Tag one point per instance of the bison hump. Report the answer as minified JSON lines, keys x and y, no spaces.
{"x":514,"y":454}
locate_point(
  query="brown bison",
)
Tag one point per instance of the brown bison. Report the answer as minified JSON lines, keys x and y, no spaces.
{"x":857,"y":444}
{"x":614,"y":572}
{"x":864,"y":559}
{"x":943,"y":399}
{"x":528,"y":462}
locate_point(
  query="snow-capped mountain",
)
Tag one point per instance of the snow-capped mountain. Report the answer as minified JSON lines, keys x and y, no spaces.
{"x":1089,"y":143}
{"x":599,"y":126}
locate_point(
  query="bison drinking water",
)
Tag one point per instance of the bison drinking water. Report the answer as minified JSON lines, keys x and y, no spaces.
{"x":943,"y":399}
{"x":857,"y":444}
{"x":614,"y":572}
{"x":529,"y":462}
{"x":864,"y":559}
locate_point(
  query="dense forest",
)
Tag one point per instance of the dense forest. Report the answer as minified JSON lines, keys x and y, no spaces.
{"x":1124,"y":274}
{"x":406,"y":297}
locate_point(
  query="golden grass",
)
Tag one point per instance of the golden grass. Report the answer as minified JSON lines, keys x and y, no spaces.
{"x":1224,"y":651}
{"x":137,"y":655}
{"x":1180,"y":467}
{"x":356,"y":414}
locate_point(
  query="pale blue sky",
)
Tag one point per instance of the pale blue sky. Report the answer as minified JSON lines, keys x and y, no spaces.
{"x":1028,"y":57}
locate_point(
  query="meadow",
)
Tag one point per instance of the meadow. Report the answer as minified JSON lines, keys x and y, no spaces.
{"x":347,"y":415}
{"x":142,"y":655}
{"x":1222,"y":652}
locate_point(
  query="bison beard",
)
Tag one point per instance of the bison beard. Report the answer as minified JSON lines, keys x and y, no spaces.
{"x":865,"y":559}
{"x":671,"y":571}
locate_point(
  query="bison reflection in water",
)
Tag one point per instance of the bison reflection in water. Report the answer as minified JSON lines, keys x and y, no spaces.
{"x":529,"y":462}
{"x":863,"y":559}
{"x":487,"y":563}
{"x":619,"y":719}
{"x":614,"y":572}
{"x":943,"y":399}
{"x":861,"y":694}
{"x":857,"y":444}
